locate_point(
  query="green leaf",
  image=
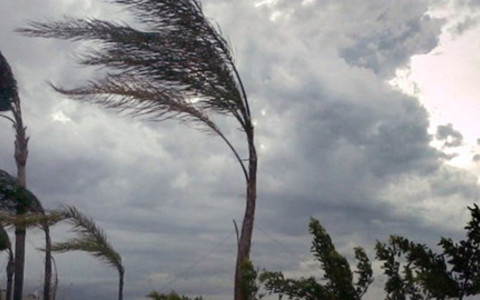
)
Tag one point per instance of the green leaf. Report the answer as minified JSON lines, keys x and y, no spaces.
{"x":8,"y":85}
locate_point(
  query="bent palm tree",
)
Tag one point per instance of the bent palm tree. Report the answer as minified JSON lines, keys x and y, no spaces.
{"x":91,"y":239}
{"x":177,"y":66}
{"x":10,"y":101}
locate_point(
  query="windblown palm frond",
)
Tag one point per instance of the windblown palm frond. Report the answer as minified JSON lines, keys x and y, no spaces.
{"x":14,"y":196}
{"x":176,"y":66}
{"x":4,"y":240}
{"x":30,"y":219}
{"x":92,"y":239}
{"x":8,"y":85}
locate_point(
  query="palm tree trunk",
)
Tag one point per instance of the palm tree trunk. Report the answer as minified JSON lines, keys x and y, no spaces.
{"x":20,"y":233}
{"x":10,"y":272}
{"x":245,"y":242}
{"x":48,"y":263}
{"x":120,"y":286}
{"x":53,"y":292}
{"x":21,"y":153}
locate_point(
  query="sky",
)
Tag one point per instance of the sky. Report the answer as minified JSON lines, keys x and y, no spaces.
{"x":365,"y":116}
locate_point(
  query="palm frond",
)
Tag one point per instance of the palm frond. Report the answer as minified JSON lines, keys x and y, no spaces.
{"x":14,"y":196}
{"x":4,"y":240}
{"x":91,"y":239}
{"x":29,"y":219}
{"x":8,"y":85}
{"x":178,"y":54}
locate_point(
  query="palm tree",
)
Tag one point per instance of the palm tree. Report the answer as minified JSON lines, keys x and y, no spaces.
{"x":177,"y":66}
{"x":10,"y":101}
{"x":91,"y":239}
{"x":12,"y":196}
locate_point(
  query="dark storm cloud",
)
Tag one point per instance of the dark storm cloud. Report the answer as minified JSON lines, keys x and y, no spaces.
{"x":335,"y":142}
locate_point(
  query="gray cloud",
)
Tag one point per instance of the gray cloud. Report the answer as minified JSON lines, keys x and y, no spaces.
{"x":335,"y":142}
{"x":449,"y":136}
{"x":384,"y":48}
{"x":378,"y":35}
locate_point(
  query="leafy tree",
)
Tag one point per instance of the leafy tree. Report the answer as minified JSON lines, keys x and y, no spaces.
{"x":338,"y":280}
{"x":171,"y":296}
{"x":416,"y":272}
{"x":90,"y":239}
{"x":175,"y":65}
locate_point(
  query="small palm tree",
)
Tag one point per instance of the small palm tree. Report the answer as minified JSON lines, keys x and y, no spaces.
{"x":90,"y":239}
{"x":176,"y":66}
{"x":13,"y":198}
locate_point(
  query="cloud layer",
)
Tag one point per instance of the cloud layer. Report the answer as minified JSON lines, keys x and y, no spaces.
{"x":336,"y":143}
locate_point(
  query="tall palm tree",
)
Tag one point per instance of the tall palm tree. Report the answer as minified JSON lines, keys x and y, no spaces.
{"x":176,"y":66}
{"x":91,"y":239}
{"x":10,"y":101}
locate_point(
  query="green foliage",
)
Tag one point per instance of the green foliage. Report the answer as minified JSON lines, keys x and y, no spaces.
{"x":416,"y":272}
{"x":425,"y":273}
{"x":171,"y":296}
{"x":4,"y":240}
{"x":337,"y":281}
{"x":464,"y":256}
{"x":248,"y":282}
{"x":8,"y":85}
{"x":14,"y":197}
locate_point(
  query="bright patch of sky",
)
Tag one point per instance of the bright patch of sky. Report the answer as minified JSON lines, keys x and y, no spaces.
{"x":60,"y":116}
{"x":447,"y":80}
{"x":277,"y":15}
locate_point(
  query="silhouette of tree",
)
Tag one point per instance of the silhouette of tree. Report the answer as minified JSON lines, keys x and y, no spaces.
{"x":171,"y":296}
{"x":338,"y":280}
{"x":415,"y":271}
